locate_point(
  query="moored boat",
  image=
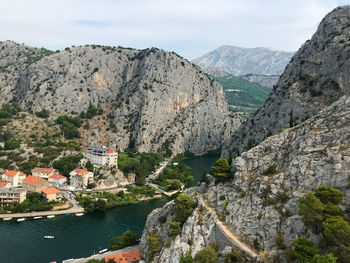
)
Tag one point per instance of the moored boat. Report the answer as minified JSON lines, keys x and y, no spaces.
{"x":38,"y":217}
{"x":49,"y":237}
{"x":79,"y":214}
{"x":21,"y":219}
{"x":50,"y":216}
{"x":7,"y":218}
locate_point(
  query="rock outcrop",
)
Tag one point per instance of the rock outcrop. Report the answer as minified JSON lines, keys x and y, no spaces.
{"x":264,"y":80}
{"x":317,"y":76}
{"x":239,"y":61}
{"x":154,"y":99}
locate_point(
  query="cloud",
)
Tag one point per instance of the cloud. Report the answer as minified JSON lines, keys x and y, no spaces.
{"x":189,"y":27}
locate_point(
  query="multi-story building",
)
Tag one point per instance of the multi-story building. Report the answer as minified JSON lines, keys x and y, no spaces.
{"x":5,"y":185}
{"x":57,"y":180}
{"x":15,"y":178}
{"x":51,"y":194}
{"x":34,"y":184}
{"x":102,"y":156}
{"x":80,"y":178}
{"x":10,"y":196}
{"x":43,"y":172}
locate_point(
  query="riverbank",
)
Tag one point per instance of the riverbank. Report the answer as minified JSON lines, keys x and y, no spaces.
{"x":43,"y":213}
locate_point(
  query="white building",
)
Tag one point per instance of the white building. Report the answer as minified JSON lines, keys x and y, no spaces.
{"x":102,"y":156}
{"x":15,"y":178}
{"x":43,"y":172}
{"x":57,"y":179}
{"x":80,"y":178}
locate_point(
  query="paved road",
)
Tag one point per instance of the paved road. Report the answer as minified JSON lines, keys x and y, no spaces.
{"x":228,"y":232}
{"x":102,"y":256}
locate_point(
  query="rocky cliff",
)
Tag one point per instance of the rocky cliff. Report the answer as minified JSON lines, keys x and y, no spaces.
{"x":155,"y":99}
{"x":290,"y":164}
{"x":264,"y":80}
{"x":317,"y":76}
{"x":239,"y":61}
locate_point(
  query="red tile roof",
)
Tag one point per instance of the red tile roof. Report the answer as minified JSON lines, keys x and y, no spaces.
{"x":51,"y":191}
{"x":126,"y":257}
{"x":3,"y":184}
{"x":32,"y":179}
{"x":81,"y":171}
{"x":11,"y":173}
{"x":42,"y":170}
{"x":110,"y":151}
{"x":57,"y":176}
{"x":21,"y":174}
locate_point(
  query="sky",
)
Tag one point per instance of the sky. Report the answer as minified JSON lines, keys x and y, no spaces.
{"x":191,"y":28}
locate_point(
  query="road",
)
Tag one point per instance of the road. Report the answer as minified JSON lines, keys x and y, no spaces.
{"x":102,"y":256}
{"x":228,"y":232}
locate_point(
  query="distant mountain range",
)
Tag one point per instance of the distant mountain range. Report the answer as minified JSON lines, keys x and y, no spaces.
{"x":240,"y":61}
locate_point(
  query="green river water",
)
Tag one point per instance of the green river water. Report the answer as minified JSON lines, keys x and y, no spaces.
{"x":77,"y":237}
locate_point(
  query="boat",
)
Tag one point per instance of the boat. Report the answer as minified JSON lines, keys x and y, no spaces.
{"x":49,"y":237}
{"x":38,"y":217}
{"x":68,"y":214}
{"x":50,"y":216}
{"x":79,"y":214}
{"x":21,"y":219}
{"x":7,"y":218}
{"x":68,"y":260}
{"x":103,"y":251}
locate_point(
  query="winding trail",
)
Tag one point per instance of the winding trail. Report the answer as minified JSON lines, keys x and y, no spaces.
{"x":228,"y":232}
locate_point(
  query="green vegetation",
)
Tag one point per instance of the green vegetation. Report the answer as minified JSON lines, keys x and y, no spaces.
{"x":321,"y":213}
{"x":91,"y":111}
{"x":103,"y":201}
{"x":186,"y":258}
{"x":206,"y":255}
{"x":234,"y":256}
{"x":128,"y":238}
{"x":221,"y":169}
{"x":154,"y":243}
{"x":175,"y":228}
{"x":142,"y":164}
{"x":184,"y":207}
{"x":66,"y":164}
{"x":141,"y":190}
{"x":69,"y":126}
{"x":246,"y":97}
{"x":174,"y":176}
{"x":43,"y":114}
{"x":31,"y":204}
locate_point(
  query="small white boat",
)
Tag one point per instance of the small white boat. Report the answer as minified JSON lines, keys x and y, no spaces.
{"x":103,"y":251}
{"x":7,"y":218}
{"x":21,"y":219}
{"x":50,"y":216}
{"x":79,"y":214}
{"x":38,"y":217}
{"x":49,"y":237}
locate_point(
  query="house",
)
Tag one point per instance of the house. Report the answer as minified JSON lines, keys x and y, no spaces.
{"x":102,"y":156}
{"x":57,"y":179}
{"x":10,"y":196}
{"x":5,"y":185}
{"x":80,"y":178}
{"x":126,"y":257}
{"x":34,"y":184}
{"x":15,"y":178}
{"x":43,"y":172}
{"x":51,"y":194}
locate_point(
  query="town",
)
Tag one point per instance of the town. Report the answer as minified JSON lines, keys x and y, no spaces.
{"x":46,"y":192}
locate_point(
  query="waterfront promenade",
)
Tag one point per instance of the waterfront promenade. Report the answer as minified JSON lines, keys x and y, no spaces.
{"x":44,"y":213}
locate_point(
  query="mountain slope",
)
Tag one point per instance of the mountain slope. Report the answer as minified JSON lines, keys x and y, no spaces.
{"x":239,"y":61}
{"x":317,"y":76}
{"x":154,"y":99}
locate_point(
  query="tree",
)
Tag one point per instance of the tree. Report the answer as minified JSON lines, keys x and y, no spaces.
{"x":304,"y":250}
{"x":140,"y":181}
{"x":175,"y":184}
{"x":42,"y":114}
{"x":329,"y":194}
{"x":337,"y":232}
{"x":154,"y":243}
{"x":311,"y":209}
{"x":89,"y":166}
{"x":234,"y":256}
{"x":184,"y":207}
{"x":206,"y":255}
{"x":100,"y":205}
{"x":204,"y":178}
{"x":221,"y":169}
{"x":128,"y":238}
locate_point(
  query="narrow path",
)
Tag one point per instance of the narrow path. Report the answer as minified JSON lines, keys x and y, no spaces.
{"x":228,"y":232}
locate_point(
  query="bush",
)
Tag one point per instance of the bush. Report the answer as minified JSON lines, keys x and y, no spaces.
{"x":337,"y":232}
{"x":186,"y":258}
{"x":127,"y":239}
{"x":175,"y":228}
{"x":312,"y":210}
{"x":221,"y":169}
{"x":234,"y":256}
{"x":328,"y":194}
{"x":184,"y":207}
{"x":328,"y":258}
{"x":154,"y":243}
{"x":206,"y":255}
{"x":42,"y":114}
{"x":304,"y":250}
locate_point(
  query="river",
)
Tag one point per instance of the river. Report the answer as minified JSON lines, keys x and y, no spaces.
{"x":77,"y":237}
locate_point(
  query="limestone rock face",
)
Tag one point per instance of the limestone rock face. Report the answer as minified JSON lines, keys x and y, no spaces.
{"x":317,"y":76}
{"x":154,"y":99}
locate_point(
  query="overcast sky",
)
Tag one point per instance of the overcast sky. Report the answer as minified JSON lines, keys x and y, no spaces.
{"x":188,"y":27}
